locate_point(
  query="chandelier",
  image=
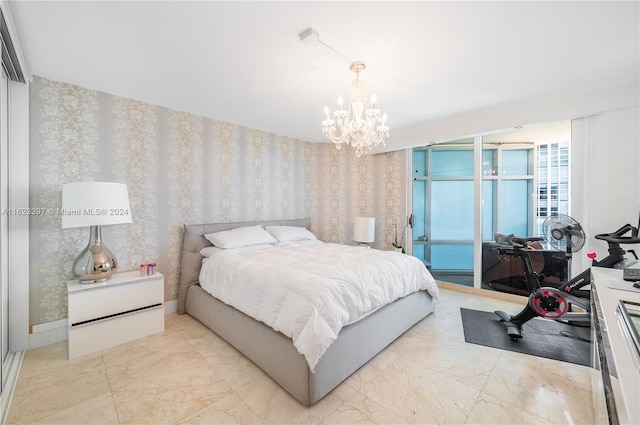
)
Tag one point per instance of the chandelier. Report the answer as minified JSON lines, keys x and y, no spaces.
{"x":360,"y":126}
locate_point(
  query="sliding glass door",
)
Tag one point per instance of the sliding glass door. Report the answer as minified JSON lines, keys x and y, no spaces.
{"x":443,"y":199}
{"x":522,"y":177}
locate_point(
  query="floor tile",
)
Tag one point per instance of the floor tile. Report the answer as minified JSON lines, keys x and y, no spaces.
{"x":448,"y":356}
{"x":359,"y":409}
{"x":189,"y":375}
{"x":58,"y":388}
{"x":490,"y":410}
{"x":228,"y":410}
{"x":98,"y":411}
{"x":543,"y":389}
{"x":167,"y":396}
{"x":419,"y":395}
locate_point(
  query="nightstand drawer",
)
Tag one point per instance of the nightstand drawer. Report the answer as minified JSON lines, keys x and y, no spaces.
{"x":96,"y":336}
{"x":103,"y":301}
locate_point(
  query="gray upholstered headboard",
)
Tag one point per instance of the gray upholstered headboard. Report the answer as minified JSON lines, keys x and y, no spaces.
{"x":194,"y":241}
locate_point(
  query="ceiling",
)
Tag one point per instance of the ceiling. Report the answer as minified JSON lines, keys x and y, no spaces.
{"x":242,"y":62}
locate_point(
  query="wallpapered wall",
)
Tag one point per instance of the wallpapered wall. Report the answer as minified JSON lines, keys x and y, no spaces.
{"x":182,"y":168}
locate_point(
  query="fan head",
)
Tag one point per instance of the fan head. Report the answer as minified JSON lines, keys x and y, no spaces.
{"x":563,"y":233}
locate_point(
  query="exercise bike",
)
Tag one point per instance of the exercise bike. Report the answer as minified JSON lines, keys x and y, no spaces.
{"x":556,"y":303}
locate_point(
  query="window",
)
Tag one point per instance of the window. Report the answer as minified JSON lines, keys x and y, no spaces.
{"x":552,"y":191}
{"x":524,"y":180}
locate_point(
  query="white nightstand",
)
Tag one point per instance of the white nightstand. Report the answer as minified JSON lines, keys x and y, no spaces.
{"x":126,"y":307}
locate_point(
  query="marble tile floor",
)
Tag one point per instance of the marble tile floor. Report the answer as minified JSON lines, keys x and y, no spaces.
{"x":188,"y":375}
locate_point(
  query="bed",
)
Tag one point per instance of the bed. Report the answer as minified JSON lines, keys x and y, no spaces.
{"x":355,"y":345}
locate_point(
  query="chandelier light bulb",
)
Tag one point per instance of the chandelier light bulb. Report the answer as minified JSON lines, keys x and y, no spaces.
{"x":340,"y":101}
{"x":373,"y":100}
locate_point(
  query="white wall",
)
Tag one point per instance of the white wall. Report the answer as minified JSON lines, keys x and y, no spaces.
{"x":499,"y":119}
{"x":605,"y":177}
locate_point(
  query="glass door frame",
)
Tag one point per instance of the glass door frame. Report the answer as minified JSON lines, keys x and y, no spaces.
{"x":478,"y":181}
{"x":477,"y":210}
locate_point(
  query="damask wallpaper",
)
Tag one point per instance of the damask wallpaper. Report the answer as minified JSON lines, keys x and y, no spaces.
{"x":182,"y":168}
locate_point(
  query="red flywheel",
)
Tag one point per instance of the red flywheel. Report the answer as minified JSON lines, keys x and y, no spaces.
{"x":548,"y":302}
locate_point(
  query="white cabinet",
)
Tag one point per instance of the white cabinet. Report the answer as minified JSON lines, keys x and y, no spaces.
{"x":617,"y":360}
{"x":126,"y":307}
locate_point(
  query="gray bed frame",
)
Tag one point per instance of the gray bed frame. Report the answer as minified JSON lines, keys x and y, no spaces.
{"x":272,"y":351}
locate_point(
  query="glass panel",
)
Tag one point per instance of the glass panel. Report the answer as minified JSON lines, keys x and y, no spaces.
{"x":489,"y":188}
{"x":420,"y":251}
{"x":515,"y":204}
{"x":452,"y":162}
{"x":419,"y":163}
{"x":489,"y":162}
{"x":452,"y":210}
{"x":515,"y":162}
{"x":452,"y":257}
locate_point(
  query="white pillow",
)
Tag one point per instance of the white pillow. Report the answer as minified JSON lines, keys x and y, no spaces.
{"x":290,"y":233}
{"x":239,"y":237}
{"x":209,"y":251}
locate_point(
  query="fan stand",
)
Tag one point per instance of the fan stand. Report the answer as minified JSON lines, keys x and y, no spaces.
{"x":558,"y":234}
{"x":569,"y":257}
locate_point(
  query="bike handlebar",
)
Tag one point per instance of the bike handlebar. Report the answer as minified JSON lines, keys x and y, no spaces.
{"x":616,"y":237}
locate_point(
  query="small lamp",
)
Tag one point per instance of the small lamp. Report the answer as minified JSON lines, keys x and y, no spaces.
{"x":364,"y":230}
{"x":94,"y":204}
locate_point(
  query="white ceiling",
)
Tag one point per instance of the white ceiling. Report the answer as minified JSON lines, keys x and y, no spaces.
{"x":242,"y":62}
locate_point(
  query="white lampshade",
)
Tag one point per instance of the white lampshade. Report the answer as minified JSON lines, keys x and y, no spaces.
{"x":94,"y":204}
{"x":364,"y":229}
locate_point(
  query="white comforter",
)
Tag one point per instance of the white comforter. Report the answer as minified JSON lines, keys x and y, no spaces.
{"x":309,"y":290}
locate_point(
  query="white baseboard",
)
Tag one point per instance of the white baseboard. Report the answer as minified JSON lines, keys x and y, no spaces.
{"x":48,"y":333}
{"x":57,"y":331}
{"x":171,"y":307}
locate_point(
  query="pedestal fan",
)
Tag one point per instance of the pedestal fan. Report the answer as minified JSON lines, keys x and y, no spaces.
{"x":564,"y":234}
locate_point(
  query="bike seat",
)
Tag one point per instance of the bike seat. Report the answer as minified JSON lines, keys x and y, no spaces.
{"x":514,"y":241}
{"x":526,"y":240}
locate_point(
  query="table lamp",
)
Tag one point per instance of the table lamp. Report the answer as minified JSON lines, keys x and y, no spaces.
{"x":364,"y":230}
{"x":93,"y":205}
